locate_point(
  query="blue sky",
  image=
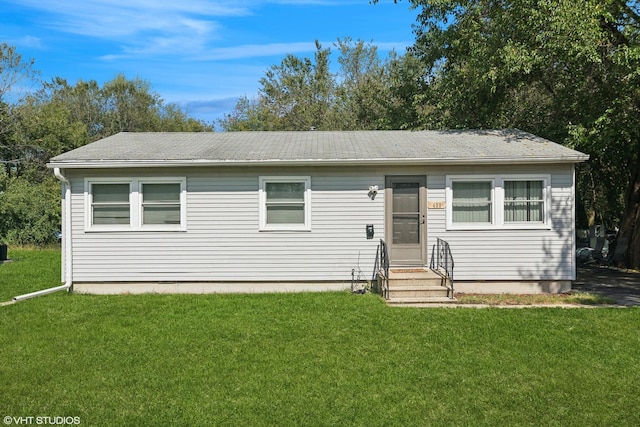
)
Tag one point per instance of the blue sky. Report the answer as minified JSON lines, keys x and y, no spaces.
{"x":200,"y":54}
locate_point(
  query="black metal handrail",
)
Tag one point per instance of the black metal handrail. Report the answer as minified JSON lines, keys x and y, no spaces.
{"x":381,"y":268}
{"x":442,"y":259}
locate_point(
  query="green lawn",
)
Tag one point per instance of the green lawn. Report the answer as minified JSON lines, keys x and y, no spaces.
{"x":307,"y":359}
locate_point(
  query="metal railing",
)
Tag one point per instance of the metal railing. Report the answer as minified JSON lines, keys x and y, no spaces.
{"x":381,"y":268}
{"x":442,"y":260}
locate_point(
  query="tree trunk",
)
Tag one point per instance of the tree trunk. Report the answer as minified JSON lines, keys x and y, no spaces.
{"x":630,"y":227}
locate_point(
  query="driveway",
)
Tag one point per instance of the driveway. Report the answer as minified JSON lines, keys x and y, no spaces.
{"x":622,"y":285}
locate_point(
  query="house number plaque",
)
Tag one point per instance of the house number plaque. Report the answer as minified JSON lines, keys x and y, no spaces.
{"x":436,"y":205}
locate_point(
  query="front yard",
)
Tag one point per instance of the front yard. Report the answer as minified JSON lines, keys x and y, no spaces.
{"x":306,"y":359}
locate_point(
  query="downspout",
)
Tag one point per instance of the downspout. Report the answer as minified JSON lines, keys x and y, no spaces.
{"x":66,"y":231}
{"x":67,"y":246}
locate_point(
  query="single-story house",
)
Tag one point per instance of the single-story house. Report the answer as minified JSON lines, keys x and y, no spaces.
{"x":284,"y":211}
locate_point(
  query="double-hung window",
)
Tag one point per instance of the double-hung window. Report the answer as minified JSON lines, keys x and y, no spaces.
{"x":524,"y":201}
{"x":135,"y":204}
{"x":160,"y":203}
{"x":472,"y":202}
{"x":484,"y":202}
{"x":285,"y":203}
{"x":110,"y":204}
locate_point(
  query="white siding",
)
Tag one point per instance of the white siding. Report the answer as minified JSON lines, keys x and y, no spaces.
{"x":510,"y":254}
{"x":223,"y":242}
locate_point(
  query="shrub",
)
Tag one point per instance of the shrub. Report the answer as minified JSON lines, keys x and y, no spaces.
{"x":30,"y":213}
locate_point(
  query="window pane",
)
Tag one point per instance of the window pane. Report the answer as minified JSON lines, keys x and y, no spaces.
{"x":111,"y":214}
{"x":406,"y":197}
{"x":110,"y":193}
{"x":161,"y":192}
{"x":523,"y":190}
{"x":406,"y":229}
{"x":159,"y":214}
{"x":523,"y":212}
{"x":284,"y":214}
{"x":471,"y":201}
{"x":285,"y":191}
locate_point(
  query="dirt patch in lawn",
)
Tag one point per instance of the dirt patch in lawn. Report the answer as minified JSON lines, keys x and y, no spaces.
{"x":573,"y":298}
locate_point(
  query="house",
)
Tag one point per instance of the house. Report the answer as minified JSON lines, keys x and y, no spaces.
{"x":286,"y":211}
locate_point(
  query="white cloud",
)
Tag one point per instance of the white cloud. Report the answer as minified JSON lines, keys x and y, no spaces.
{"x":188,"y":29}
{"x":28,"y":41}
{"x":153,"y":25}
{"x":256,"y":50}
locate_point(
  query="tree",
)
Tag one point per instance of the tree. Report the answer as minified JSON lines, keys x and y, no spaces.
{"x":565,"y":70}
{"x":120,"y":105}
{"x":248,"y":115}
{"x":43,"y":130}
{"x":366,"y":92}
{"x":30,"y":212}
{"x":299,"y":92}
{"x":57,"y":118}
{"x":13,"y":69}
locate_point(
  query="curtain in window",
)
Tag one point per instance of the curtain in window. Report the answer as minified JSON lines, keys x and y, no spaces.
{"x":285,"y":202}
{"x":161,"y":203}
{"x":110,"y":204}
{"x":523,"y":201}
{"x":471,"y":201}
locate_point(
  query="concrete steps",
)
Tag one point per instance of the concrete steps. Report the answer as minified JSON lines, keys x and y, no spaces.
{"x":418,"y":286}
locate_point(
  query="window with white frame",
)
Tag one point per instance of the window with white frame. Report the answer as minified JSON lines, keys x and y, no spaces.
{"x":110,"y":204}
{"x":472,"y":202}
{"x":135,"y":204}
{"x":524,"y":201}
{"x":160,"y":203}
{"x":497,"y":201}
{"x":285,"y":203}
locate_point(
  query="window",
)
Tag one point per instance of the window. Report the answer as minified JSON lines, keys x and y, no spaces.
{"x":472,"y":201}
{"x":135,"y":204}
{"x":523,"y":201}
{"x":285,"y":203}
{"x":110,"y":204}
{"x":161,"y":203}
{"x":481,"y":202}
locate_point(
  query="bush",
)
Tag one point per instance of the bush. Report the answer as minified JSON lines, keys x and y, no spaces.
{"x":30,"y":213}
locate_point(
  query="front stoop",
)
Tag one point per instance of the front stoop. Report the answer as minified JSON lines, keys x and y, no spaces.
{"x":417,"y":286}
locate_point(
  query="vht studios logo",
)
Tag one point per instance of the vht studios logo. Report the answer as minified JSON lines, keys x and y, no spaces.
{"x":46,"y":421}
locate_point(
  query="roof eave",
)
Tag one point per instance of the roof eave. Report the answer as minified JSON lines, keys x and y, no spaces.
{"x":117,"y":164}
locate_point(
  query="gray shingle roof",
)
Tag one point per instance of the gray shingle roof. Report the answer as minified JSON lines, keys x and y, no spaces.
{"x":317,"y":147}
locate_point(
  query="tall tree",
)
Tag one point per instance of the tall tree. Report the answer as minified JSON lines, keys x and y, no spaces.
{"x":365,"y":92}
{"x":248,"y":115}
{"x":57,"y":118}
{"x":563,"y":69}
{"x":362,"y":85}
{"x":13,"y":69}
{"x":299,"y":91}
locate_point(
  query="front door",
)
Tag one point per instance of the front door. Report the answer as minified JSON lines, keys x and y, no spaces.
{"x":405,"y":220}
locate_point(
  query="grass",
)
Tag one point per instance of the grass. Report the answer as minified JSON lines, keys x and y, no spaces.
{"x":308,"y":359}
{"x":29,"y":270}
